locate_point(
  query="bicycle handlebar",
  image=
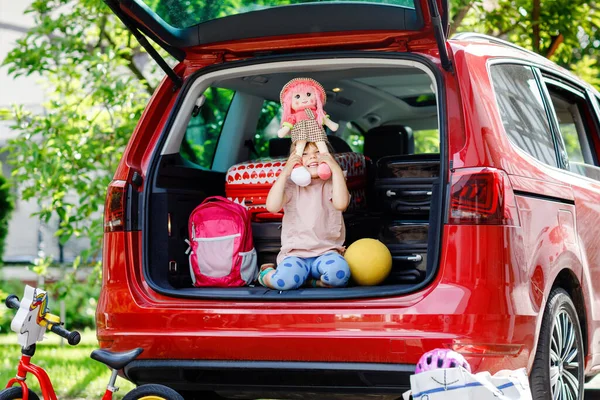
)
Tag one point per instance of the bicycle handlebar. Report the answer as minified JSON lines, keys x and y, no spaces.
{"x":12,"y":301}
{"x":72,"y":337}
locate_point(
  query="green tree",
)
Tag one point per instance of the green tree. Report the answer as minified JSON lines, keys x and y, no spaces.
{"x":6,"y":208}
{"x":566,"y":33}
{"x":96,"y":92}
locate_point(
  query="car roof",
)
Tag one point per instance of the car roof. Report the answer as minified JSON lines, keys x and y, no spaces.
{"x":512,"y":50}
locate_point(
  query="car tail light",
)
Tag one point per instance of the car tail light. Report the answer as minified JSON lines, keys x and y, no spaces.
{"x":114,"y":208}
{"x":482,"y":196}
{"x":485,"y":349}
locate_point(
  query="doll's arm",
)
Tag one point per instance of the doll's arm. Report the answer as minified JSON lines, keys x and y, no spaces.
{"x":287,"y":126}
{"x":330,"y":124}
{"x":283,"y":131}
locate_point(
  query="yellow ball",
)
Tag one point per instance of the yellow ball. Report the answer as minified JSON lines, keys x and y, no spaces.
{"x":370,"y":261}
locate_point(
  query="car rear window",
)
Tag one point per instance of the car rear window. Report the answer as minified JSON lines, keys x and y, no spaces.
{"x":183,"y":14}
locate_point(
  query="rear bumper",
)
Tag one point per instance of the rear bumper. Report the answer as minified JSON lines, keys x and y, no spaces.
{"x":263,"y":378}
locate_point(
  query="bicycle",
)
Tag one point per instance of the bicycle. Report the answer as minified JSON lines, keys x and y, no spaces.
{"x":30,"y":323}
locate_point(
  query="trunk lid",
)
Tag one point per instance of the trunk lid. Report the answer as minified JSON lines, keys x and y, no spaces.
{"x":188,"y":30}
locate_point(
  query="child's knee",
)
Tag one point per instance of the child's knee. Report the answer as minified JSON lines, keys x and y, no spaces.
{"x":335,"y":270}
{"x":290,"y":274}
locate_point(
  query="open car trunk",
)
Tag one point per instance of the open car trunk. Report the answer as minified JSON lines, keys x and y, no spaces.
{"x":388,"y":110}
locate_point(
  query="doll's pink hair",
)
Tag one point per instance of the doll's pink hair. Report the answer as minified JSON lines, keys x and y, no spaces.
{"x":302,"y":85}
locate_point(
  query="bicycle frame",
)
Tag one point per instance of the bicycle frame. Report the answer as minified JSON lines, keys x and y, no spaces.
{"x":48,"y":393}
{"x":26,"y":366}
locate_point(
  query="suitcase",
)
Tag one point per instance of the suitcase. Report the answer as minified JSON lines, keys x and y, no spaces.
{"x":267,"y":234}
{"x":407,"y":241}
{"x":249,"y":183}
{"x":405,"y":184}
{"x":404,"y":232}
{"x":267,"y":241}
{"x":409,"y":166}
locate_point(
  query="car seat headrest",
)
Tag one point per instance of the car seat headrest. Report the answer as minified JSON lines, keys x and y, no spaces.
{"x":388,"y":140}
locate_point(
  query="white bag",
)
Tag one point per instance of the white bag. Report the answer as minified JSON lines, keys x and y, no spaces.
{"x":459,"y":384}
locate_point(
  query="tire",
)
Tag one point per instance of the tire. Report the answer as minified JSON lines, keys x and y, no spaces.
{"x":152,"y":392}
{"x":558,"y":365}
{"x":15,"y":392}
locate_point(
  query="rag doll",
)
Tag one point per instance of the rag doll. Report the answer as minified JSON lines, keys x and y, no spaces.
{"x":302,"y":100}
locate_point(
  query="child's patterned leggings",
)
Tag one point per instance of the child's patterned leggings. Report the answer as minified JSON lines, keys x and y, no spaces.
{"x":294,"y":271}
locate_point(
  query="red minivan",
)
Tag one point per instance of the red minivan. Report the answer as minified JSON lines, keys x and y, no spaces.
{"x":507,"y":272}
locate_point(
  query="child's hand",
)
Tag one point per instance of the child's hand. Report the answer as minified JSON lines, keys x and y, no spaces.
{"x":290,"y":163}
{"x":328,"y":159}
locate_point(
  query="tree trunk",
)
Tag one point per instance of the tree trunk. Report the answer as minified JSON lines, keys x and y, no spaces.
{"x":556,"y":41}
{"x":458,"y":18}
{"x":535,"y":25}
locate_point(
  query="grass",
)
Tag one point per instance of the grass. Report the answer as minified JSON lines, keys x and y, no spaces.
{"x":73,"y":373}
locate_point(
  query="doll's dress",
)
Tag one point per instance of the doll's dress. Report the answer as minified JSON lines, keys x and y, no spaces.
{"x":308,"y":129}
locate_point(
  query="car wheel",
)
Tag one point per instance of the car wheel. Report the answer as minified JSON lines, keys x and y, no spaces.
{"x":16,"y":393}
{"x":152,"y":392}
{"x":557,"y":371}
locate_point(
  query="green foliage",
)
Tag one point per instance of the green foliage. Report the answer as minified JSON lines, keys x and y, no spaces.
{"x":427,"y":141}
{"x":567,"y":33}
{"x":353,"y":136}
{"x":79,"y":297}
{"x":6,"y":208}
{"x":270,"y":113}
{"x":183,"y":14}
{"x":203,"y":130}
{"x":6,"y":315}
{"x":66,"y":156}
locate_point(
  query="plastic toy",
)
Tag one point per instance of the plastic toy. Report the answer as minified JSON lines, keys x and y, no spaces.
{"x":370,"y":261}
{"x":302,"y":100}
{"x":30,"y":323}
{"x":441,"y":358}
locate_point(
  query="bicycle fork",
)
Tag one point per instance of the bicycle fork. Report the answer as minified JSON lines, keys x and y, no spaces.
{"x":26,"y":366}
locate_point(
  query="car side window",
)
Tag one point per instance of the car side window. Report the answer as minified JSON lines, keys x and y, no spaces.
{"x":266,"y":129}
{"x":203,"y":130}
{"x":522,"y":111}
{"x":574,"y":119}
{"x":351,"y":135}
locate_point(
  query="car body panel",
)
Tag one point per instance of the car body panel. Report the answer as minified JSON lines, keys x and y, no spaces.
{"x":387,"y":330}
{"x":490,"y":289}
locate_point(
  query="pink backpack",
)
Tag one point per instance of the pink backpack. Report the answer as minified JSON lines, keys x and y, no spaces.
{"x":221,"y":251}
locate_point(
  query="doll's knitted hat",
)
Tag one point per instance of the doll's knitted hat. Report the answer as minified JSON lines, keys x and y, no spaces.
{"x":296,"y":81}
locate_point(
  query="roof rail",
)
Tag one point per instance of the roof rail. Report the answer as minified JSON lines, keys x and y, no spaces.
{"x":490,"y":39}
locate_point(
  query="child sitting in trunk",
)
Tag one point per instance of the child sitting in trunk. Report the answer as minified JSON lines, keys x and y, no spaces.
{"x":313,"y":232}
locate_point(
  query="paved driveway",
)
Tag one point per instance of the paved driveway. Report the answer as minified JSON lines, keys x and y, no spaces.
{"x":592,"y":389}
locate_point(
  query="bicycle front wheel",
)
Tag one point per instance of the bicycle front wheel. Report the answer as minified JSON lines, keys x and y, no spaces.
{"x":152,"y":392}
{"x":16,"y":393}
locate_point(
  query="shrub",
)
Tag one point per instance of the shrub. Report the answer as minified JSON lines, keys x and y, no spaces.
{"x":6,"y":208}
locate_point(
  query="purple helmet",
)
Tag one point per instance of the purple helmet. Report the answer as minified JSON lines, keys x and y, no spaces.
{"x":441,"y":358}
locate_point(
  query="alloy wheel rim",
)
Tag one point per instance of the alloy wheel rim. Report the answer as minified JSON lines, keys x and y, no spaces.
{"x":151,"y":397}
{"x":565,"y":359}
